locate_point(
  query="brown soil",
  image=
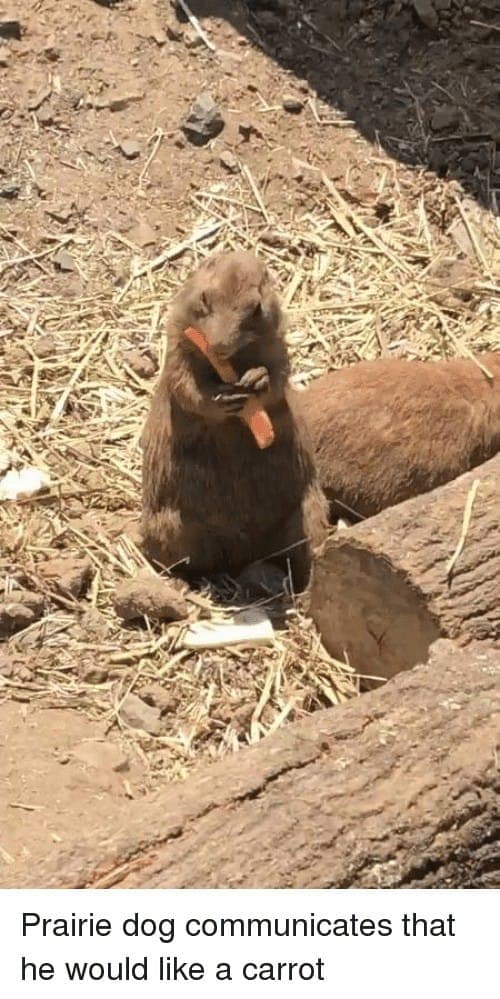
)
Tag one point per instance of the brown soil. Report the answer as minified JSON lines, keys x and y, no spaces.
{"x":354,"y":201}
{"x":58,"y":772}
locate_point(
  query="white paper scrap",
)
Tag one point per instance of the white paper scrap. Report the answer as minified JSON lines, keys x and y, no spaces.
{"x":249,"y":627}
{"x":22,"y":484}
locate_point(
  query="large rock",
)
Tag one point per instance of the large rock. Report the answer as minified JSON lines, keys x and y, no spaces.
{"x":204,"y":120}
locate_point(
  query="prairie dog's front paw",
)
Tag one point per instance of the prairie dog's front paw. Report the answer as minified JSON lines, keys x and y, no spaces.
{"x":230,"y":399}
{"x":256,"y":380}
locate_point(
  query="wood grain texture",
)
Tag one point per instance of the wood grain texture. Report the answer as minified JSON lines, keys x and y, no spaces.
{"x":381,"y":592}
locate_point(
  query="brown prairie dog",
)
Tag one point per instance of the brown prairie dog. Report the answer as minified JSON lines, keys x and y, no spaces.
{"x":212,"y":501}
{"x":386,"y":430}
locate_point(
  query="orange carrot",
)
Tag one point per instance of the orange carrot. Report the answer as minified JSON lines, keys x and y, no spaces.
{"x":253,"y":413}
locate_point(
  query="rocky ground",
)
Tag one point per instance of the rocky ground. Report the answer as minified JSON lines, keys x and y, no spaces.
{"x":357,"y":145}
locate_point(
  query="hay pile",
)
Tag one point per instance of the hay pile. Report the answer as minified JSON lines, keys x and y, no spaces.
{"x":409,"y":271}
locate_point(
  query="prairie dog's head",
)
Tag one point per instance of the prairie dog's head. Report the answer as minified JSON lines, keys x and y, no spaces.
{"x":231,"y":299}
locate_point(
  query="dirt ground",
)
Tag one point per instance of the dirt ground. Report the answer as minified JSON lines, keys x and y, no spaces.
{"x":374,"y":199}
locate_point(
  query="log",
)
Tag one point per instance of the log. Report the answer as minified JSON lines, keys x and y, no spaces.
{"x":381,"y":592}
{"x":398,"y":788}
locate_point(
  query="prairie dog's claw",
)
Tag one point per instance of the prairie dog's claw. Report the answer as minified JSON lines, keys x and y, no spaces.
{"x":231,"y":399}
{"x":255,"y":379}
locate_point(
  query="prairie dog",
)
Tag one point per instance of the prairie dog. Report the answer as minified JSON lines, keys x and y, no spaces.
{"x":212,"y":501}
{"x":384,"y":431}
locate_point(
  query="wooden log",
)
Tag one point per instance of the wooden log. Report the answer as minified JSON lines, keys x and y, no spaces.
{"x":398,"y":788}
{"x":382,"y":591}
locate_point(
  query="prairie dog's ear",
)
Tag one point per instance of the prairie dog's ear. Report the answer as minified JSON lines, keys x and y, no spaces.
{"x":197,"y":278}
{"x":199,"y":302}
{"x":190,"y":302}
{"x":209,"y":264}
{"x":270,"y":302}
{"x":268,"y":281}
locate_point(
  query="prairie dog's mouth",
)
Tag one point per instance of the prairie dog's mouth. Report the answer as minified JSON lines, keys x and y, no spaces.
{"x":227,"y":352}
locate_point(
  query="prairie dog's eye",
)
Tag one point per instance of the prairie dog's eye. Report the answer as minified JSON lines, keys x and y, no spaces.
{"x":257,"y":311}
{"x":204,"y":304}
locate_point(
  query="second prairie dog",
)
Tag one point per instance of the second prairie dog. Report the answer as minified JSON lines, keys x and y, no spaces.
{"x":212,"y":501}
{"x":384,"y":431}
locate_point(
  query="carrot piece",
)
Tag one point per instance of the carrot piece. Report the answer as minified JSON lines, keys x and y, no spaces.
{"x":253,"y":413}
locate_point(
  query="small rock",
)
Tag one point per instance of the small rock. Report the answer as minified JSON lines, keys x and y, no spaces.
{"x":426,"y":13}
{"x":445,"y":117}
{"x":141,"y":364}
{"x":94,"y":626}
{"x":204,"y":120}
{"x":71,"y":99}
{"x":99,"y":102}
{"x":101,"y":755}
{"x":262,"y":579}
{"x":136,"y":713}
{"x":296,"y":171}
{"x":45,"y":116}
{"x":64,"y":262}
{"x":10,"y":191}
{"x":5,"y":56}
{"x":95,"y":481}
{"x":246,"y":129}
{"x":241,"y":718}
{"x":292,"y":104}
{"x":174,"y":29}
{"x":10,"y":27}
{"x":14,"y":668}
{"x":192,"y":40}
{"x":156,"y":695}
{"x":121,"y":101}
{"x":38,"y":99}
{"x":142,"y":234}
{"x":451,"y":280}
{"x":275,"y":237}
{"x":18,"y":610}
{"x":150,"y":596}
{"x":50,"y":50}
{"x":44,"y":346}
{"x":130,"y":149}
{"x":70,"y":575}
{"x":228,"y":160}
{"x":35,"y":601}
{"x":158,"y":35}
{"x":90,"y":673}
{"x":60,"y":213}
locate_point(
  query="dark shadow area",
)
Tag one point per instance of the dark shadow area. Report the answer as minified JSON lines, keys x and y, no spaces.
{"x":421,"y":77}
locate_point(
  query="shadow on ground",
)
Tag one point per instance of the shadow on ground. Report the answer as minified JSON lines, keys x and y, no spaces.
{"x":428,"y":93}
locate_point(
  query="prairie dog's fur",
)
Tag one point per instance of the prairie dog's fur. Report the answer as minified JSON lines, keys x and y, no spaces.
{"x":209,"y":494}
{"x":386,"y":430}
